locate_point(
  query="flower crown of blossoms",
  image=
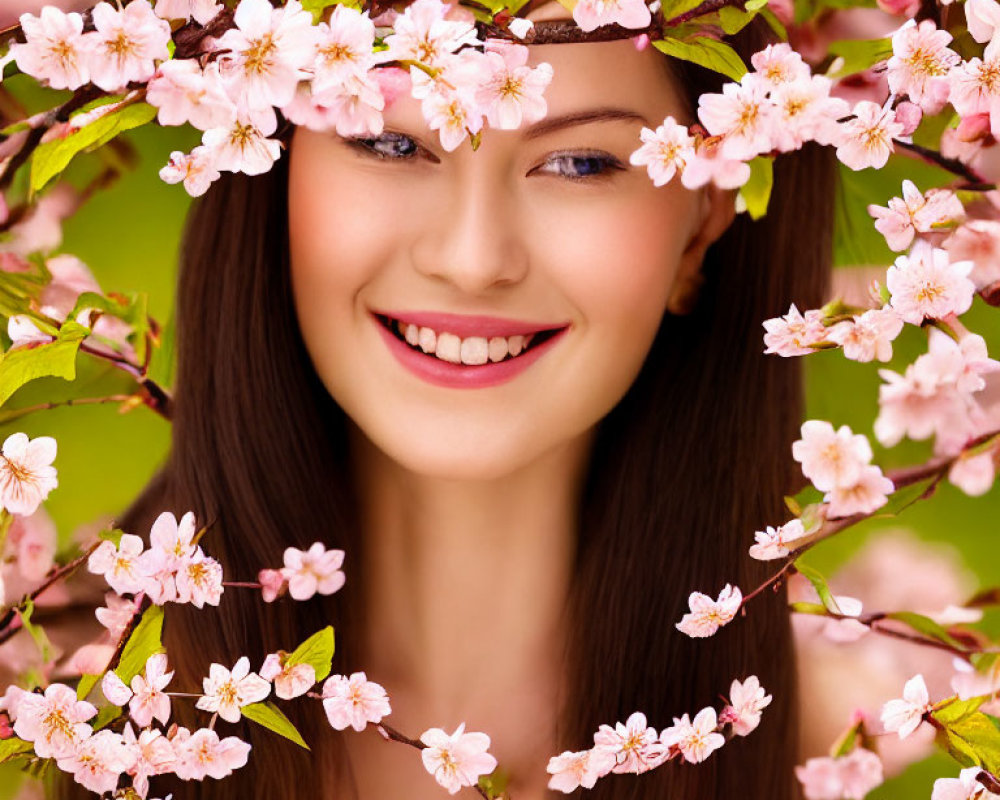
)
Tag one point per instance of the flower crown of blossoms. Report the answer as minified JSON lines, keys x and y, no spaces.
{"x":335,"y":67}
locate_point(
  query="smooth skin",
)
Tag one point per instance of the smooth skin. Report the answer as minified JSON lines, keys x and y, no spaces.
{"x":469,"y":496}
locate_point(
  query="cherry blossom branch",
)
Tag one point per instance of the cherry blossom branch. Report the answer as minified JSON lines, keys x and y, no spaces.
{"x":989,"y":780}
{"x":390,"y":734}
{"x":151,"y":393}
{"x":952,"y":165}
{"x":9,"y":416}
{"x":706,"y":7}
{"x":9,"y":624}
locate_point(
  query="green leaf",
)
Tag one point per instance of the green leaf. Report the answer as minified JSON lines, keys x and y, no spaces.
{"x":86,"y":686}
{"x":705,"y":52}
{"x":57,"y":358}
{"x":976,"y":737}
{"x":13,"y":747}
{"x":776,"y":24}
{"x":131,"y":310}
{"x":756,"y":192}
{"x":144,"y":642}
{"x":317,"y":651}
{"x":114,"y":535}
{"x":494,"y":784}
{"x":859,"y":54}
{"x":36,"y":632}
{"x":817,"y":609}
{"x":925,"y":626}
{"x":106,"y":716}
{"x":271,"y":717}
{"x":902,"y":499}
{"x":956,"y":710}
{"x":317,"y":7}
{"x":821,"y":587}
{"x":51,"y":158}
{"x":733,"y":19}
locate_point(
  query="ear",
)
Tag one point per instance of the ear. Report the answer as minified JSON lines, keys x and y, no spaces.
{"x":716,"y":213}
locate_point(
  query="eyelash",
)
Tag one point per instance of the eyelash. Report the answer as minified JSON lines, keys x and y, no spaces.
{"x":608,"y":163}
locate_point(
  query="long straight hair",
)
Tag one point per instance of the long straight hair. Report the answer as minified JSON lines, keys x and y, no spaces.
{"x":692,"y":460}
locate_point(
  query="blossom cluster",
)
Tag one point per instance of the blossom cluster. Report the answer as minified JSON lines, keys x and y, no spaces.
{"x":635,"y":747}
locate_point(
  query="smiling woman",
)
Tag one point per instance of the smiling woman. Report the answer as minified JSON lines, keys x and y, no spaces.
{"x":523,"y":389}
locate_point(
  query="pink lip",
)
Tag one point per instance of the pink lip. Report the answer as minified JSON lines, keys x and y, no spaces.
{"x":465,"y":325}
{"x":462,"y":376}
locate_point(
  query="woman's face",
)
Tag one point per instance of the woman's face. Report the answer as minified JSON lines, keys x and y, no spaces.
{"x":544,"y":229}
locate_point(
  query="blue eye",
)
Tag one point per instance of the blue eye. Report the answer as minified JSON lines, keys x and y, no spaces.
{"x":580,"y":166}
{"x":388,"y":145}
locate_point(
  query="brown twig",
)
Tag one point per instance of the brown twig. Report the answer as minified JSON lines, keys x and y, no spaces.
{"x":8,"y":416}
{"x":952,"y":165}
{"x":153,"y":395}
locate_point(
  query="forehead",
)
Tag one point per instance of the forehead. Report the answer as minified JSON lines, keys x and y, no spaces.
{"x":606,"y":74}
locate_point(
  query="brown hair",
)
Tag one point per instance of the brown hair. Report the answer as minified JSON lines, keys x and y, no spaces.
{"x":693,"y":459}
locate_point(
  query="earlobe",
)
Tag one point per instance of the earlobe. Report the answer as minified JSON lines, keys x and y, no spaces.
{"x":717,"y":213}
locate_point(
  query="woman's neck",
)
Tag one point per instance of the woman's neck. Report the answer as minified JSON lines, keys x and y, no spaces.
{"x":466,"y":590}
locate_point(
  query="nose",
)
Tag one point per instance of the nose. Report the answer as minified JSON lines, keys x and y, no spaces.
{"x":472,"y":240}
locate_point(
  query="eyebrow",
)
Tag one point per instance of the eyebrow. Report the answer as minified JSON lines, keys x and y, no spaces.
{"x":552,"y":124}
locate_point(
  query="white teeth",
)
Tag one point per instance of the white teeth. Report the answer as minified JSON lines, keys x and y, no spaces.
{"x":428,"y":340}
{"x":497,"y":349}
{"x":474,"y":351}
{"x":449,"y":348}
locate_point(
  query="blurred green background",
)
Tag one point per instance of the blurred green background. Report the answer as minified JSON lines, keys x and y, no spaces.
{"x":129,"y":237}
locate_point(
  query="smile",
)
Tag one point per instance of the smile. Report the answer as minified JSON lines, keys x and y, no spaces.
{"x":462,"y":351}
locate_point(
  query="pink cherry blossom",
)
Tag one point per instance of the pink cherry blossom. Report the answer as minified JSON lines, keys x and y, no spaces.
{"x":866,"y":139}
{"x":804,"y":111}
{"x":927,"y":284}
{"x":119,"y":565}
{"x":903,"y":716}
{"x":512,"y":92}
{"x":227,"y":692}
{"x":664,"y":152}
{"x":54,"y":51}
{"x":154,"y":756}
{"x":591,"y":14}
{"x":199,"y":580}
{"x":344,"y":49}
{"x":915,"y":213}
{"x":963,"y":362}
{"x":635,"y":746}
{"x":125,"y":44}
{"x":26,"y":472}
{"x":352,"y":107}
{"x":773,"y":542}
{"x":98,"y":761}
{"x":243,"y":146}
{"x":571,"y":771}
{"x":849,"y":777}
{"x":709,"y":165}
{"x":741,"y":115}
{"x":831,"y":459}
{"x":794,"y":334}
{"x":983,"y":19}
{"x":869,"y":492}
{"x":778,"y":64}
{"x":55,"y":722}
{"x":974,"y":474}
{"x":263,"y":58}
{"x":201,"y":11}
{"x":869,"y":336}
{"x":457,"y":759}
{"x":195,"y":169}
{"x":707,"y":615}
{"x":909,"y":116}
{"x":921,"y":403}
{"x":273,"y":584}
{"x":747,"y":700}
{"x":114,"y":688}
{"x":696,"y":739}
{"x":149,"y":701}
{"x":920,"y":64}
{"x":290,"y":680}
{"x":354,"y":701}
{"x":184,"y":92}
{"x":421,"y":33}
{"x":977,"y":241}
{"x":31,"y":546}
{"x":202,"y":754}
{"x":312,"y":571}
{"x":974,"y":88}
{"x":848,"y":629}
{"x":964,"y":787}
